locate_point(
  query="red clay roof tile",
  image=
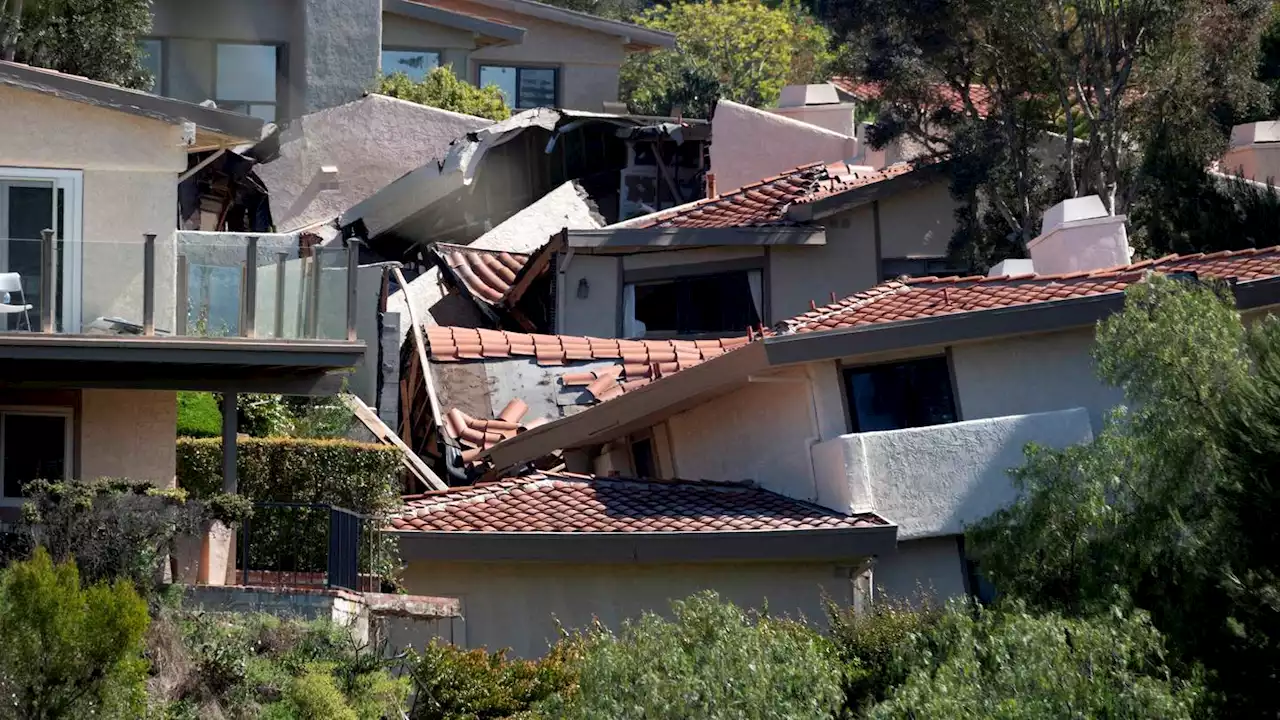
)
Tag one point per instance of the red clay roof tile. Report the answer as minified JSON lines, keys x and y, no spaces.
{"x":571,"y":503}
{"x":487,"y":274}
{"x":916,"y":298}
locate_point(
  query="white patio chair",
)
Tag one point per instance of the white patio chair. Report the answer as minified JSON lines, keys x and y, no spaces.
{"x":11,"y":289}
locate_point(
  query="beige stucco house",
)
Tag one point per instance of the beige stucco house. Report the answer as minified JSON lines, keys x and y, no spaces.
{"x":281,"y":59}
{"x":94,"y":341}
{"x":910,"y":400}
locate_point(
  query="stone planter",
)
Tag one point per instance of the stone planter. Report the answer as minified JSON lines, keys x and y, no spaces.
{"x":217,"y":555}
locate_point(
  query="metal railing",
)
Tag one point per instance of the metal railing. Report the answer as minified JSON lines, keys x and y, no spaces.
{"x":309,"y":545}
{"x":286,"y":304}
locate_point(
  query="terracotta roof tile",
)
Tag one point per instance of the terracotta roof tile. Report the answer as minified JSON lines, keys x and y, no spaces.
{"x":944,"y":94}
{"x":487,"y":274}
{"x":916,"y":298}
{"x":571,"y":503}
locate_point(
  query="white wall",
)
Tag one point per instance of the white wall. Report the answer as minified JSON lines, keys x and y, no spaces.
{"x":597,"y":314}
{"x":518,"y":605}
{"x":1036,"y":373}
{"x":917,"y":222}
{"x":752,"y":144}
{"x":933,"y":481}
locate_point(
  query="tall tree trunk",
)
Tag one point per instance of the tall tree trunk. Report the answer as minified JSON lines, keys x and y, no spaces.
{"x":12,"y":31}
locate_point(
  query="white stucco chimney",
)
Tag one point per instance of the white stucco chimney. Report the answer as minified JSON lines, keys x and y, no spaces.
{"x":817,"y":105}
{"x":1255,"y":151}
{"x":1078,"y":235}
{"x":1013,"y":266}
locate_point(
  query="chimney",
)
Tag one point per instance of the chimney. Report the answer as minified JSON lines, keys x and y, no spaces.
{"x":1254,"y":151}
{"x":817,"y":105}
{"x":711,"y":185}
{"x":1078,"y":236}
{"x":1012,"y":267}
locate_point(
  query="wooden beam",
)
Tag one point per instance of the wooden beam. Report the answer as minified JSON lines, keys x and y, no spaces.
{"x":415,"y":465}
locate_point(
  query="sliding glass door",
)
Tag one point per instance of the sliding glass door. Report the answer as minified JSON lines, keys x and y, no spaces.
{"x":33,"y":200}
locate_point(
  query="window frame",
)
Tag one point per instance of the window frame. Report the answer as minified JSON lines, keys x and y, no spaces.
{"x":405,"y":48}
{"x":851,"y":406}
{"x":515,"y":105}
{"x":688,"y":270}
{"x":281,"y":79}
{"x":67,"y":413}
{"x":71,"y":277}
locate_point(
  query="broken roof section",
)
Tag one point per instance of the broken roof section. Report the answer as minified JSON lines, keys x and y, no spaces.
{"x":214,"y":128}
{"x":332,"y":159}
{"x":623,"y":162}
{"x":893,"y":317}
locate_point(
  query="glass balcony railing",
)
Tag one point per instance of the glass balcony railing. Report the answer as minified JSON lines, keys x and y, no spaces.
{"x":191,"y":284}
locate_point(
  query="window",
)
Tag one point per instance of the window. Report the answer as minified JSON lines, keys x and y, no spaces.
{"x":31,"y":200}
{"x":893,"y":268}
{"x":894,"y":396}
{"x":724,"y":302}
{"x":153,"y":61}
{"x":417,"y":64}
{"x":35,"y":444}
{"x":245,"y":80}
{"x":642,"y":457}
{"x":522,"y":87}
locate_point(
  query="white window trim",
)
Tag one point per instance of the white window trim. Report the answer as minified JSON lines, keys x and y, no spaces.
{"x":71,"y":182}
{"x":43,"y":410}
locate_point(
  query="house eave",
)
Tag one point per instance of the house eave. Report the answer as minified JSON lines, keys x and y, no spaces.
{"x":605,"y":239}
{"x":816,"y":545}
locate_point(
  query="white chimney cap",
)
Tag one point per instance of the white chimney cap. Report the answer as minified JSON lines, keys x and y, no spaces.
{"x":1013,"y":266}
{"x":1071,"y":210}
{"x":804,"y":95}
{"x":1256,"y":132}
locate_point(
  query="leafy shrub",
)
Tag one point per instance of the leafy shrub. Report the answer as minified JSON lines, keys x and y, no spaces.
{"x":457,"y":684}
{"x":1009,"y":664}
{"x":867,"y":641}
{"x":69,"y":652}
{"x":259,"y":665}
{"x":116,"y":529}
{"x":198,"y":415}
{"x":713,"y":661}
{"x":442,"y":89}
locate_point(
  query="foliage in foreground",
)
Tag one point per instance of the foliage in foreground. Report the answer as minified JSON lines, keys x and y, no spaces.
{"x":866,"y":642}
{"x":442,"y":89}
{"x":712,"y":660}
{"x":1010,"y":664}
{"x":456,"y":684}
{"x":1170,"y":508}
{"x":741,"y":50}
{"x":69,"y":652}
{"x":262,"y":666}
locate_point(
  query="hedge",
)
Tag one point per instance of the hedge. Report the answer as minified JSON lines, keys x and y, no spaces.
{"x":199,"y":415}
{"x":357,"y":476}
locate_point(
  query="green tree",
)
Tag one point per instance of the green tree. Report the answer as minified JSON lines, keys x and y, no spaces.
{"x":442,"y":89}
{"x":713,"y":660}
{"x":1050,"y":99}
{"x":94,"y":38}
{"x":741,"y":50}
{"x":1161,"y":510}
{"x":1008,"y":664}
{"x":69,"y":652}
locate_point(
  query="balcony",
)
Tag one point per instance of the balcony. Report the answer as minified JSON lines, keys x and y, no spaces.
{"x":207,"y":285}
{"x":934,"y":480}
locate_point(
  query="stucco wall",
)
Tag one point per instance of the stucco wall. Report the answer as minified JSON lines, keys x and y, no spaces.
{"x":130,"y":167}
{"x":1031,"y":374}
{"x":845,"y":265}
{"x":753,"y":144}
{"x":343,"y":50}
{"x":918,"y":222}
{"x":932,"y":481}
{"x":129,"y":434}
{"x":367,"y":142}
{"x":596,"y":314}
{"x":1256,"y":161}
{"x":517,"y":605}
{"x":931,"y":568}
{"x":759,"y":432}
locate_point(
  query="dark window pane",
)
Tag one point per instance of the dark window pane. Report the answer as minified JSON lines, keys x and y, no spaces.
{"x":642,"y":458}
{"x":910,"y":394}
{"x":537,"y":88}
{"x":35,"y":448}
{"x":702,"y":304}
